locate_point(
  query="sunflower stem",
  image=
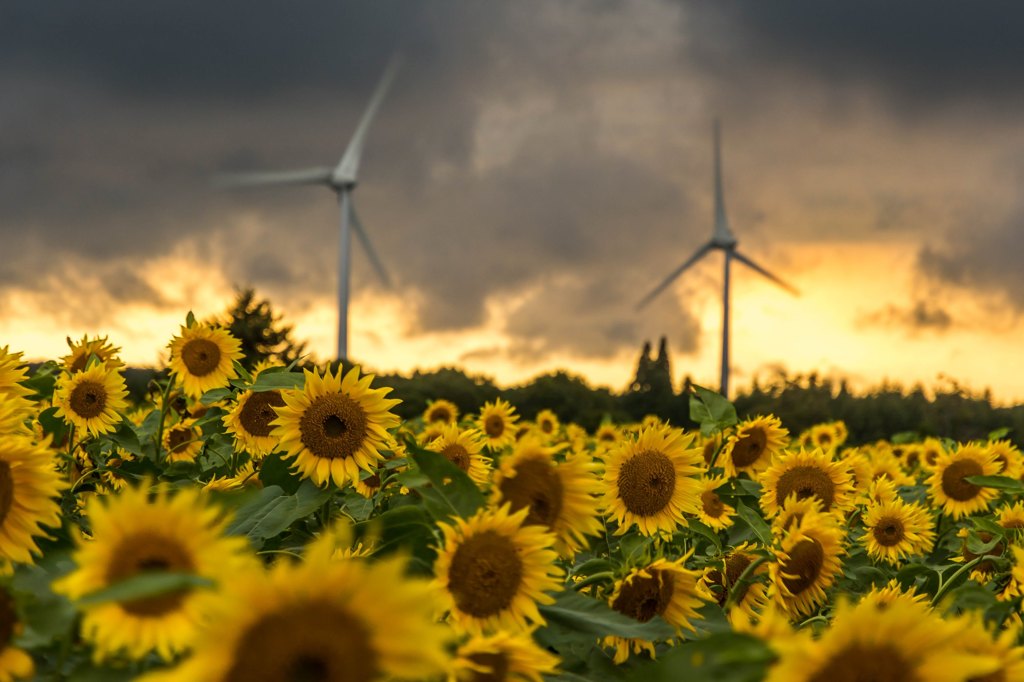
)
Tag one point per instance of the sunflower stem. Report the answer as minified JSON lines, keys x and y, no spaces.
{"x":944,"y":585}
{"x":593,"y":579}
{"x":163,"y":417}
{"x":745,"y":577}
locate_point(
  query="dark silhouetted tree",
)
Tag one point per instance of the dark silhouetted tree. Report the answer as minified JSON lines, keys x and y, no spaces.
{"x":263,"y":336}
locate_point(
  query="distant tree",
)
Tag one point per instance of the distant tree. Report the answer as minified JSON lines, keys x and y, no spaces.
{"x":469,"y":393}
{"x":262,"y":334}
{"x":569,"y":397}
{"x":651,"y":390}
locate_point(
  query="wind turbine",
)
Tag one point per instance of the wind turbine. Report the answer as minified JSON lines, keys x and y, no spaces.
{"x":723,"y":239}
{"x":341,"y":178}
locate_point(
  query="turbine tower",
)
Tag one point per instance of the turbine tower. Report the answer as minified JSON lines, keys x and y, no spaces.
{"x":723,"y":239}
{"x":341,"y":178}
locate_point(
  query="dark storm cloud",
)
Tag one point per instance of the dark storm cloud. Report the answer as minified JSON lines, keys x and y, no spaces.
{"x":920,"y":54}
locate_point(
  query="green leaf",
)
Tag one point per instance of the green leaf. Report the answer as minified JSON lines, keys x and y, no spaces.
{"x":712,"y":411}
{"x":761,"y":529}
{"x":704,"y":531}
{"x":190,"y":319}
{"x":408,"y":528}
{"x":278,"y":381}
{"x":904,"y":437}
{"x":591,"y":618}
{"x":216,"y":395}
{"x":275,"y":471}
{"x":127,"y":437}
{"x":999,"y":433}
{"x":999,"y":482}
{"x":272,"y":512}
{"x":451,"y":491}
{"x":144,"y":585}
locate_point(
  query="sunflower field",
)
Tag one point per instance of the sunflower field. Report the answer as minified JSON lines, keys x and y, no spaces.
{"x":286,"y":525}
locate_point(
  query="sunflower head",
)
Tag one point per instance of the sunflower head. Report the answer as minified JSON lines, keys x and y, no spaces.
{"x":502,"y":655}
{"x":559,"y":495}
{"x":547,"y":423}
{"x":81,"y":352}
{"x":752,"y":446}
{"x":334,"y":427}
{"x":202,"y":358}
{"x":713,"y":512}
{"x":895,"y":530}
{"x":12,"y":373}
{"x":29,"y":482}
{"x":951,"y":491}
{"x":131,"y":536}
{"x":1008,"y":458}
{"x":92,"y":400}
{"x":807,"y":562}
{"x":807,"y":473}
{"x":464,"y":449}
{"x":440,"y":410}
{"x":650,"y":481}
{"x":494,"y":570}
{"x":249,"y":421}
{"x":722,"y":578}
{"x":497,"y":421}
{"x":183,"y":441}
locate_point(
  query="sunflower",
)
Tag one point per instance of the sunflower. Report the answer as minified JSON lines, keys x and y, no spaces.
{"x":321,"y":619}
{"x":335,"y":427}
{"x":1008,"y":457}
{"x":29,"y":482}
{"x":806,"y":473}
{"x":263,"y":366}
{"x":663,"y":588}
{"x":367,"y":486}
{"x":560,"y":496}
{"x":497,"y":421}
{"x":713,"y":512}
{"x":984,"y":570}
{"x":931,"y":450}
{"x":504,"y":656}
{"x":248,"y":420}
{"x":183,"y":441}
{"x":900,"y":643}
{"x":494,"y":570}
{"x":884,"y":464}
{"x":1015,"y":586}
{"x":974,"y":637}
{"x":607,"y":436}
{"x":828,"y":436}
{"x":652,"y":481}
{"x":81,"y":351}
{"x":710,"y":446}
{"x":721,"y":578}
{"x":113,"y":480}
{"x":884,"y":597}
{"x":441,"y":410}
{"x":792,"y":512}
{"x":951,"y":492}
{"x":464,"y":449}
{"x":896,"y":530}
{"x":12,"y":373}
{"x":92,"y":400}
{"x":1011,"y":517}
{"x":751,"y":447}
{"x":202,"y":358}
{"x":547,"y":422}
{"x":14,"y":663}
{"x":13,"y":413}
{"x":134,"y":533}
{"x":807,"y":562}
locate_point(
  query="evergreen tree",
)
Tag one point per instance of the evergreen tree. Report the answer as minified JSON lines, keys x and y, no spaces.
{"x":263,"y":337}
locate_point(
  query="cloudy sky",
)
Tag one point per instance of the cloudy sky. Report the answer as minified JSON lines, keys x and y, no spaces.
{"x":536,"y":168}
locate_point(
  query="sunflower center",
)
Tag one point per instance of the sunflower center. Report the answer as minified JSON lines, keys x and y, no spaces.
{"x":485,"y":574}
{"x":145,"y":553}
{"x":888,"y":531}
{"x":88,"y":399}
{"x":712,"y":504}
{"x":8,"y":619}
{"x":457,"y":455}
{"x":538,"y":486}
{"x":734,"y":567}
{"x":79,"y":363}
{"x":258,"y":412}
{"x":178,"y":438}
{"x":494,"y":426}
{"x":953,"y":483}
{"x":644,"y":598}
{"x":333,"y":426}
{"x":861,"y":662}
{"x":305,"y":642}
{"x":496,"y":663}
{"x":201,"y":356}
{"x":606,"y":436}
{"x":824,"y":438}
{"x":749,"y":448}
{"x":646,"y":483}
{"x":709,"y":451}
{"x":6,"y":492}
{"x":547,"y":426}
{"x":983,"y":566}
{"x":803,"y":567}
{"x":806,"y":481}
{"x":440,"y":414}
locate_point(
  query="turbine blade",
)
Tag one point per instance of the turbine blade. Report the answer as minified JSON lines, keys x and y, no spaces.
{"x":757,"y":268}
{"x":348,"y":167}
{"x":697,"y":255}
{"x":305,"y":176}
{"x":723,"y":234}
{"x":357,"y":227}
